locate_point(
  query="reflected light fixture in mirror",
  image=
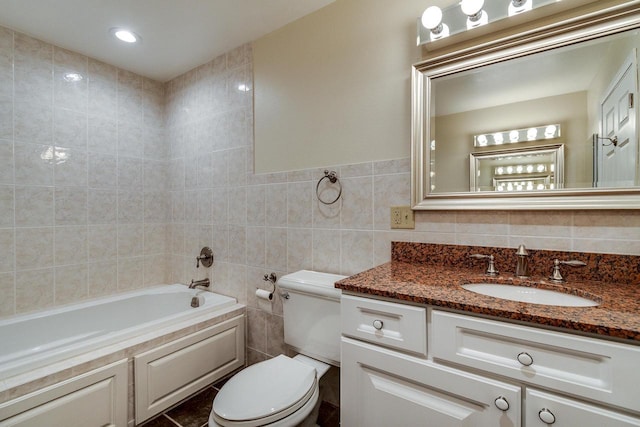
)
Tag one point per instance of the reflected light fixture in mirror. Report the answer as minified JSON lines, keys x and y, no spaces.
{"x":436,"y":23}
{"x":536,"y":133}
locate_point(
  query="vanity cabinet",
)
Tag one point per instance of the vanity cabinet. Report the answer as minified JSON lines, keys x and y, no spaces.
{"x":477,"y":371}
{"x":388,"y":379}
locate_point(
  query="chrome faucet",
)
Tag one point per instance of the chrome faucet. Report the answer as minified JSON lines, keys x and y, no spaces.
{"x":491,"y":269}
{"x":556,"y":276}
{"x":203,"y":282}
{"x":522,"y":266}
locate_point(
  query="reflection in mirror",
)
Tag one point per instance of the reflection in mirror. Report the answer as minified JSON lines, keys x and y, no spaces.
{"x":521,"y":169}
{"x":588,"y":89}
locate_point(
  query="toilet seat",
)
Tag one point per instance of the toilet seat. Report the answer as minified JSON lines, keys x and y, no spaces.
{"x":265,"y":393}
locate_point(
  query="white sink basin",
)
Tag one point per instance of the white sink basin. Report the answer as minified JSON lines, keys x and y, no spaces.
{"x":530,"y":295}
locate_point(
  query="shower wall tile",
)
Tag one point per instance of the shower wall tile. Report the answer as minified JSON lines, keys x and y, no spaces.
{"x":34,"y":290}
{"x":70,"y":168}
{"x":65,"y":146}
{"x":70,"y":128}
{"x":34,"y":248}
{"x":6,"y":114}
{"x":34,"y":206}
{"x":7,"y":205}
{"x":70,"y":245}
{"x":69,"y":93}
{"x":8,"y":292}
{"x":71,"y":284}
{"x":33,"y":164}
{"x":7,"y":248}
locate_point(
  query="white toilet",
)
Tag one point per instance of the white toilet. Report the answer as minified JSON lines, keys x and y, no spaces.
{"x":283,"y":391}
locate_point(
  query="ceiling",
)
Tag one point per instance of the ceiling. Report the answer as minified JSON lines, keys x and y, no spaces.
{"x":177,"y":35}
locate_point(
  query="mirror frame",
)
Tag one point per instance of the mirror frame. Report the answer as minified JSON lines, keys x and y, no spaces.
{"x":590,"y":26}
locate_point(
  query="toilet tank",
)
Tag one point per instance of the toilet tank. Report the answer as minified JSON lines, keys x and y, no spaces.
{"x":312,"y":314}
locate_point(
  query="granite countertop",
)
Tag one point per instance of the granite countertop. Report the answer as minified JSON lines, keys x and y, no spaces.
{"x":617,"y":315}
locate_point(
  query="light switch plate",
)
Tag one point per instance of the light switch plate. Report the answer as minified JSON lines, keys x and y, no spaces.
{"x":402,"y":217}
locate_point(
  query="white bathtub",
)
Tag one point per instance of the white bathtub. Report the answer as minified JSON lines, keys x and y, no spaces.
{"x":35,"y":340}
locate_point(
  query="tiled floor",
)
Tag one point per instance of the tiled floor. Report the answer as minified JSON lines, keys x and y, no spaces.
{"x":194,"y":412}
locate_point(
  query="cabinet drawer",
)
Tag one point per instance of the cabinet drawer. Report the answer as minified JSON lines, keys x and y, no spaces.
{"x":563,"y":412}
{"x":590,"y":368}
{"x":393,"y":325}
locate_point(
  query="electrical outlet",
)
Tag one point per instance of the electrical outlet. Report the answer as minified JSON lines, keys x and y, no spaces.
{"x":402,"y":217}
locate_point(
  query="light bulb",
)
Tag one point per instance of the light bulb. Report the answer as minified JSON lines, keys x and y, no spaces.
{"x":498,"y":138}
{"x":471,"y":7}
{"x":532,"y":134}
{"x":550,"y":131}
{"x":431,"y":17}
{"x":514,"y":136}
{"x":482,"y":140}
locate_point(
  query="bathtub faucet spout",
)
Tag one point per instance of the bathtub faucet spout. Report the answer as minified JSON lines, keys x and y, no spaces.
{"x":203,"y":282}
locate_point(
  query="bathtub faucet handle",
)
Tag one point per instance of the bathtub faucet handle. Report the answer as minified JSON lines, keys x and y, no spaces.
{"x":206,"y":256}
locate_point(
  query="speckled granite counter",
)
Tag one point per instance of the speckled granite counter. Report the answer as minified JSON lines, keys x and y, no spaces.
{"x":418,"y":279}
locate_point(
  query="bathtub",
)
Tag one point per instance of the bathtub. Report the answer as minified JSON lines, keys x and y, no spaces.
{"x":38,"y":339}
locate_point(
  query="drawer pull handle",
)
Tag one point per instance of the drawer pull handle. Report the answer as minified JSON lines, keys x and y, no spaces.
{"x":378,"y":324}
{"x":501,"y":403}
{"x":525,"y":358}
{"x":546,"y":416}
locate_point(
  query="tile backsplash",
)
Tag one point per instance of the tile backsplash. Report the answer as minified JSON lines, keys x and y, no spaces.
{"x":117,"y":181}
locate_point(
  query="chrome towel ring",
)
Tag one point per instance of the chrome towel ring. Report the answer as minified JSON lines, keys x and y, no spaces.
{"x":333,"y":178}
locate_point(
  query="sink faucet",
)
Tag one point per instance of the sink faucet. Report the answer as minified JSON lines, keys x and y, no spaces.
{"x":203,"y":282}
{"x":556,"y":276}
{"x":491,"y":269}
{"x":522,"y":266}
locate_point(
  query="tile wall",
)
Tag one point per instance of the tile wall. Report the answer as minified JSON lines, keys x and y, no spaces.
{"x":83,"y":177}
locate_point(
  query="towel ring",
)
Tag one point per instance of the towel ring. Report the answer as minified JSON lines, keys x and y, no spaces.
{"x":333,"y":178}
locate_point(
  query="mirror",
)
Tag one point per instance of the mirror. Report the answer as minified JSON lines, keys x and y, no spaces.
{"x":562,"y":106}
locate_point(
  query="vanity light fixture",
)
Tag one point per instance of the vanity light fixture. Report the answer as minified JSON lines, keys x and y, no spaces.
{"x":535,"y":133}
{"x":468,"y":14}
{"x":432,"y":20}
{"x":125,"y":35}
{"x":476,"y":16}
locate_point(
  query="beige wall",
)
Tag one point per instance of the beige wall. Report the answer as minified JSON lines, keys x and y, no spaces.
{"x":334,"y":87}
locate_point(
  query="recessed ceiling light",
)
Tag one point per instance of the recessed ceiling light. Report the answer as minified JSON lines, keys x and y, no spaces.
{"x":125,"y":35}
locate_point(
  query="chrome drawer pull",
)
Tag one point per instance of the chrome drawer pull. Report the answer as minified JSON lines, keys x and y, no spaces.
{"x":546,"y":416}
{"x":378,"y":324}
{"x":525,"y":358}
{"x":501,"y":403}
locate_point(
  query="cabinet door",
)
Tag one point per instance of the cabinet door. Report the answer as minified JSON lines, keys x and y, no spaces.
{"x":95,"y":399}
{"x":544,"y":409}
{"x":381,"y":387}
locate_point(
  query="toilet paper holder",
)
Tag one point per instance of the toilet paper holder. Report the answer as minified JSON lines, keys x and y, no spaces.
{"x":263,"y":294}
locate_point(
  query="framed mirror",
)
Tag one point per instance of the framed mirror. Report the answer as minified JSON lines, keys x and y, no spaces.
{"x":472,"y":111}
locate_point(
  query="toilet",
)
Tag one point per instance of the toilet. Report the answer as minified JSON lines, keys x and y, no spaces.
{"x":283,"y":391}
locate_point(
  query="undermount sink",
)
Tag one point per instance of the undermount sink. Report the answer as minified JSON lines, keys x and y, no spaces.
{"x":529,"y":295}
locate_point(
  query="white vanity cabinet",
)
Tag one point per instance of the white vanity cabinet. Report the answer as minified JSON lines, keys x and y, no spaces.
{"x":477,"y":371}
{"x":388,"y":381}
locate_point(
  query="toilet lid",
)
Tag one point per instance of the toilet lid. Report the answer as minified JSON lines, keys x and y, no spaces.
{"x":264,"y":389}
